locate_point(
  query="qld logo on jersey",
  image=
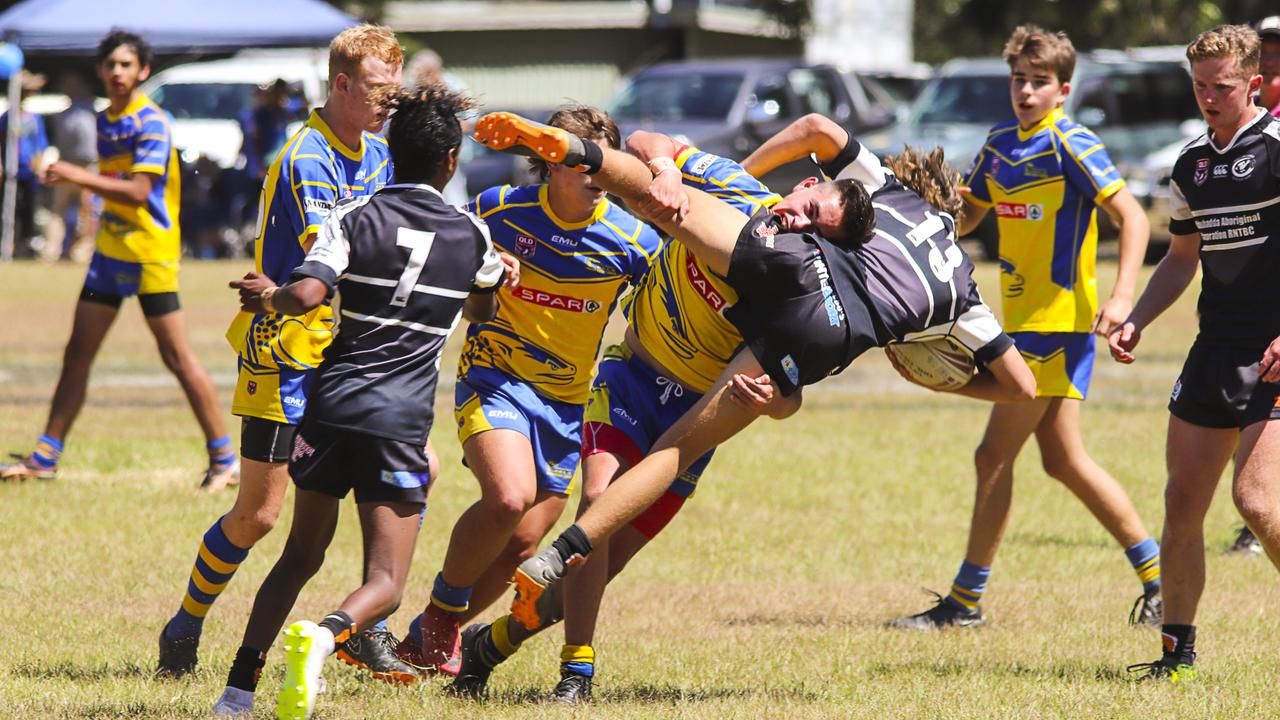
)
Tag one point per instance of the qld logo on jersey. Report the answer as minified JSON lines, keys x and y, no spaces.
{"x":554,"y":301}
{"x":525,"y":246}
{"x":699,"y":281}
{"x":1202,"y":171}
{"x":1020,"y":211}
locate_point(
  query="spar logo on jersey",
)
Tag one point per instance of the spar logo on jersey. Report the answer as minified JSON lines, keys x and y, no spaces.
{"x":1243,"y":167}
{"x":554,"y":301}
{"x":1020,"y":211}
{"x":702,"y":284}
{"x":525,"y":246}
{"x":1202,"y":171}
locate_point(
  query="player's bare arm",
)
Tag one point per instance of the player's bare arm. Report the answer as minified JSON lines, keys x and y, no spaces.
{"x":1006,"y":379}
{"x":258,"y":294}
{"x":132,"y":191}
{"x":812,"y":134}
{"x":1128,"y":216}
{"x":971,"y":218}
{"x":666,"y":193}
{"x":759,"y":394}
{"x":1171,"y":277}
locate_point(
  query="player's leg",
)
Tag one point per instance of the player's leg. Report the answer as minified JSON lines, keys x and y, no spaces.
{"x":1256,"y":486}
{"x":93,"y":318}
{"x":523,"y":544}
{"x":710,"y":228}
{"x":168,"y":325}
{"x":1065,"y":459}
{"x":1008,"y":428}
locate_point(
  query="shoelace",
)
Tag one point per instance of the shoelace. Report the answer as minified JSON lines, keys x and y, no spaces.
{"x":669,"y":388}
{"x":1140,"y":607}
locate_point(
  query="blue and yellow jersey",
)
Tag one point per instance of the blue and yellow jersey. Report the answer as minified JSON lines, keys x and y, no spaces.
{"x":313,"y":172}
{"x":678,"y":311}
{"x":548,"y":329}
{"x":1045,"y":185}
{"x":138,"y":141}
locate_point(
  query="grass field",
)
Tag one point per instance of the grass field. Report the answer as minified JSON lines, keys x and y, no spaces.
{"x":765,"y":598}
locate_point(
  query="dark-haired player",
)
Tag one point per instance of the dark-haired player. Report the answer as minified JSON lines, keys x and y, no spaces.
{"x":137,"y":251}
{"x":407,"y":266}
{"x":806,"y":306}
{"x":525,"y":376}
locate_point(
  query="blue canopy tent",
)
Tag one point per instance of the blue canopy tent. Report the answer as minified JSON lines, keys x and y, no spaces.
{"x":69,"y":27}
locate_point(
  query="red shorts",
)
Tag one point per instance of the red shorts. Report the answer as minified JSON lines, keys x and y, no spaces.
{"x":601,"y":438}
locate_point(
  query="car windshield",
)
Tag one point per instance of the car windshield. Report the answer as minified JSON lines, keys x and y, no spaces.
{"x":693,"y":96}
{"x":978,"y":99}
{"x":204,"y":101}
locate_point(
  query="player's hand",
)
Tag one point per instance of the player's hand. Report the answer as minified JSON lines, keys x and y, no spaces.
{"x":1122,"y":340}
{"x":1269,"y":366}
{"x":751,"y":393}
{"x":512,"y":264}
{"x":666,"y":199}
{"x":62,"y":171}
{"x":251,"y":288}
{"x":1110,"y":315}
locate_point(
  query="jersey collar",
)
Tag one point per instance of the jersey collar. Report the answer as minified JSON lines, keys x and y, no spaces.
{"x":1262,"y":113}
{"x":138,"y":102}
{"x":318,"y":123}
{"x":595,"y":217}
{"x":413,"y":186}
{"x":1049,"y":120}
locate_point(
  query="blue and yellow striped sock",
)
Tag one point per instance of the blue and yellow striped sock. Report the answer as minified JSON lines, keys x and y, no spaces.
{"x":220,"y":452}
{"x":578,"y":659}
{"x":449,"y":598}
{"x":496,"y":644}
{"x":48,"y":451}
{"x":216,"y":562}
{"x":1145,"y":558}
{"x":970,"y":583}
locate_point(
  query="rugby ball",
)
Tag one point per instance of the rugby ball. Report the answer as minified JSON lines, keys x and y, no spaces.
{"x":939,"y":362}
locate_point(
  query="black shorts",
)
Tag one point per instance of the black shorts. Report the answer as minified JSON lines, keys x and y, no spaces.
{"x":788,"y":311}
{"x":1219,"y":388}
{"x":334,"y":461}
{"x":266,"y":441}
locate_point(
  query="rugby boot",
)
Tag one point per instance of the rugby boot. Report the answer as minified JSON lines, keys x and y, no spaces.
{"x":431,"y":641}
{"x":306,"y":647}
{"x":1148,"y":609}
{"x":177,"y":657}
{"x":532,"y":579}
{"x":234,"y":703}
{"x":25,"y":467}
{"x":572,"y":688}
{"x":373,"y":650}
{"x":474,"y":667}
{"x":1168,"y":667}
{"x":942,"y":615}
{"x":219,"y":476}
{"x":511,"y":133}
{"x":1246,"y":543}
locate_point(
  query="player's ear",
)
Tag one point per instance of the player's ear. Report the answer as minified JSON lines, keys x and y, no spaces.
{"x":144,"y":73}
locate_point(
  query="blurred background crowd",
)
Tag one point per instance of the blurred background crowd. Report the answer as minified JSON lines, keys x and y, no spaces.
{"x":721,"y":74}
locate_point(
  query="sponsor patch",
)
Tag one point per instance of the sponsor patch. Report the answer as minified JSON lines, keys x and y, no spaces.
{"x":1202,"y":171}
{"x":1020,"y":211}
{"x":1243,"y":167}
{"x":316,"y":205}
{"x":252,"y":387}
{"x":764,"y":229}
{"x":564,"y":241}
{"x":1177,"y":389}
{"x":699,"y":281}
{"x":499,"y":413}
{"x":525,"y":246}
{"x":557,"y":302}
{"x":301,"y":448}
{"x":791,"y":369}
{"x":701,"y":165}
{"x":1220,"y":170}
{"x":557,"y":471}
{"x":623,"y":414}
{"x":294,"y":402}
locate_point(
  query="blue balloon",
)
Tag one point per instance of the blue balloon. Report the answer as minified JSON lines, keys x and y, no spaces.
{"x":10,"y":60}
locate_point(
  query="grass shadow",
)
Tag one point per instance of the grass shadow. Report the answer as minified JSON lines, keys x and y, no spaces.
{"x":650,"y":694}
{"x":1062,"y":672}
{"x":1050,"y":540}
{"x":67,"y":670}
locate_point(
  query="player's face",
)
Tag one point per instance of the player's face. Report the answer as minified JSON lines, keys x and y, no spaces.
{"x":575,"y":188}
{"x":1224,"y":94}
{"x":1035,"y":92}
{"x":121,"y":72}
{"x":374,"y":73}
{"x":811,"y":206}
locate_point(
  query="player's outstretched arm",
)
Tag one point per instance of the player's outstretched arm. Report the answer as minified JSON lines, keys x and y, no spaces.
{"x":1006,"y":379}
{"x":258,"y":294}
{"x":1171,"y":277}
{"x":666,"y":192}
{"x":812,"y":134}
{"x":1128,"y":216}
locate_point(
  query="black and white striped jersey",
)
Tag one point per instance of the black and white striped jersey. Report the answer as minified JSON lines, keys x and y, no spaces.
{"x":919,"y":281}
{"x":403,"y":262}
{"x":1231,"y":197}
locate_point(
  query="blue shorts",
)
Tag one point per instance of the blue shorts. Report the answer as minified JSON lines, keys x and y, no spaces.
{"x":488,"y":399}
{"x":1062,"y":362}
{"x":631,"y":406}
{"x":123,"y":278}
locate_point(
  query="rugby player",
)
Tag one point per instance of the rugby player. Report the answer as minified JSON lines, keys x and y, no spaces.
{"x":336,"y":154}
{"x":808,"y":306}
{"x":407,"y":266}
{"x":1225,"y":403}
{"x":676,"y":344}
{"x":525,"y":377}
{"x":1046,"y":176}
{"x":137,"y":250}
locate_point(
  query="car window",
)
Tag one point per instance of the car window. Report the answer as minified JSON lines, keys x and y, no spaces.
{"x":771,"y":94}
{"x":204,"y":101}
{"x":815,"y":91}
{"x":978,"y":99}
{"x":693,"y":96}
{"x":1095,"y":104}
{"x":1154,"y":96}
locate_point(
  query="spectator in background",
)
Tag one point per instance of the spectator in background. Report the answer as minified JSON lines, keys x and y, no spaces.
{"x":1269,"y":66}
{"x":264,"y":127}
{"x":32,"y":144}
{"x":75,"y":135}
{"x":427,"y":68}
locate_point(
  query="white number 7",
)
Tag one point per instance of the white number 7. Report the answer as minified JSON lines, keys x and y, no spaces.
{"x":419,"y":244}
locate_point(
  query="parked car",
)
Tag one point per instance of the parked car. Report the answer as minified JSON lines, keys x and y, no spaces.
{"x":729,"y":107}
{"x":1135,"y":100}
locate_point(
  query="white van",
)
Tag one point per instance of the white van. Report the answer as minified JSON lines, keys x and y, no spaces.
{"x":207,"y":98}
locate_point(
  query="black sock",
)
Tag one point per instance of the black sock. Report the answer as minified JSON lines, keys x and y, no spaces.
{"x":1179,"y":642}
{"x":573,"y":541}
{"x":592,"y":157}
{"x":246,"y":669}
{"x":340,"y":624}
